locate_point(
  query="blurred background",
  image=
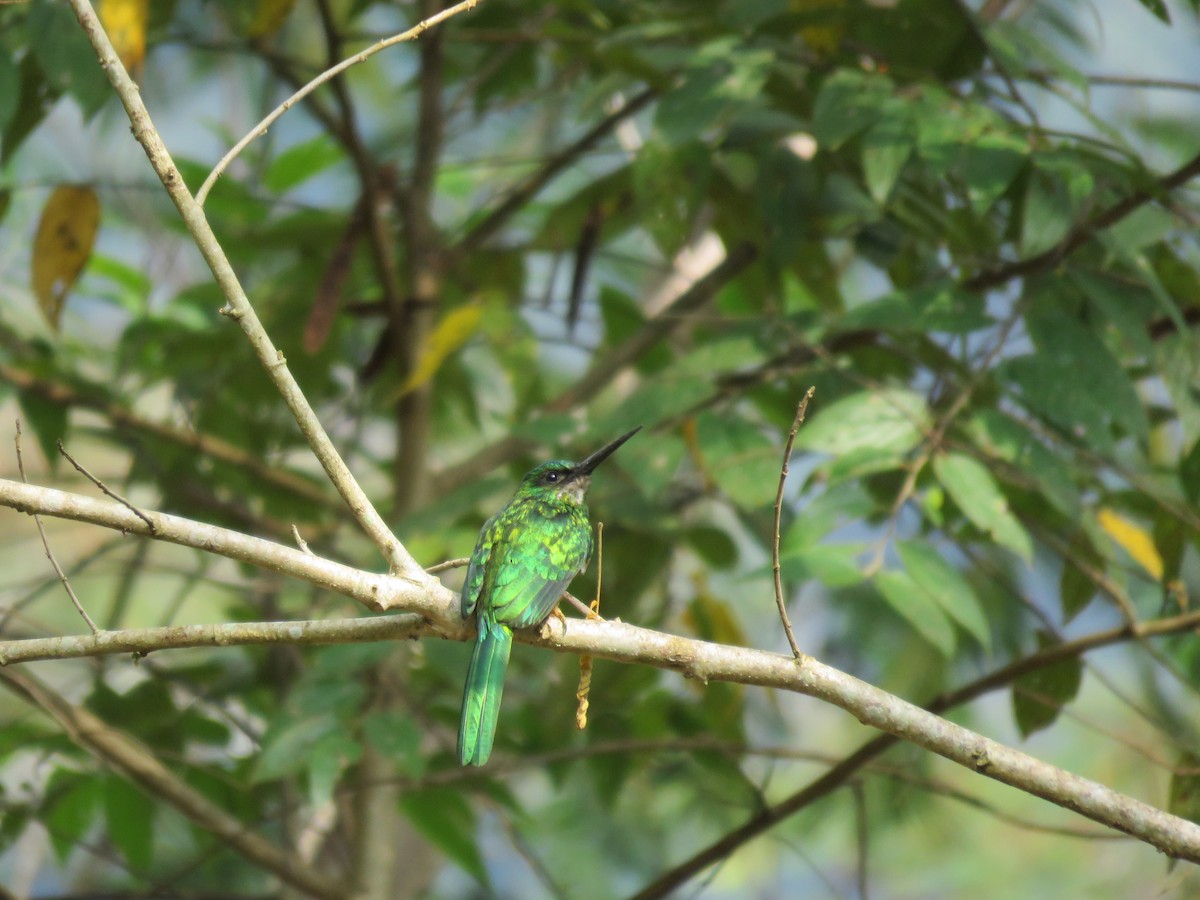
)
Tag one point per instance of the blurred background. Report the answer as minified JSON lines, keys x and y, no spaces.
{"x":972,"y":227}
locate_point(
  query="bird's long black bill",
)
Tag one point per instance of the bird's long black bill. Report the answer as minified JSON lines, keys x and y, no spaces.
{"x":589,"y":465}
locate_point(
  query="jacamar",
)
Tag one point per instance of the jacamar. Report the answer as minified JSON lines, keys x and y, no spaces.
{"x":523,"y":562}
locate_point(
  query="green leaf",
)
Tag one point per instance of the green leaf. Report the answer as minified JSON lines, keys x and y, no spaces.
{"x":973,"y":488}
{"x":74,"y":800}
{"x":833,"y":565}
{"x":850,"y":101}
{"x":946,"y":585}
{"x":398,"y":737}
{"x":287,"y":743}
{"x":47,"y":421}
{"x":326,"y":760}
{"x":943,"y":307}
{"x":34,"y":101}
{"x":1000,"y":436}
{"x":1039,"y":696}
{"x":300,"y":162}
{"x":918,"y":608}
{"x":1048,"y":214}
{"x":1158,"y":9}
{"x":1184,"y":795}
{"x":1075,"y":591}
{"x":893,"y":419}
{"x":1189,"y":473}
{"x":1074,"y":381}
{"x":445,"y":818}
{"x":129,"y":815}
{"x":830,"y":509}
{"x":10,"y":89}
{"x":711,"y":619}
{"x":886,"y":147}
{"x":742,"y":461}
{"x":991,"y":163}
{"x":64,"y":54}
{"x":713,"y":545}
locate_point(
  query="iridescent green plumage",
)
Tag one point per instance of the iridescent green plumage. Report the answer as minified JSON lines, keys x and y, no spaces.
{"x":526,"y":556}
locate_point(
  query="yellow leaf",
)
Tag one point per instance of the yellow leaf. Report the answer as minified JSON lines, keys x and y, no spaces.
{"x":452,"y":332}
{"x":269,"y":16}
{"x":1134,"y":539}
{"x":125,"y":22}
{"x":823,"y":39}
{"x":63,"y":244}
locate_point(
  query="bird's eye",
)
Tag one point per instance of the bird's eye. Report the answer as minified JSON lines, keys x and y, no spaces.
{"x":552,"y":477}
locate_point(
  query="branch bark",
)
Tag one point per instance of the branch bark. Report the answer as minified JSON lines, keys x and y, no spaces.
{"x":695,"y":659}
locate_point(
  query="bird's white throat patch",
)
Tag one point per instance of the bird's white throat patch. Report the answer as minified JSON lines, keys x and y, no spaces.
{"x":575,"y":489}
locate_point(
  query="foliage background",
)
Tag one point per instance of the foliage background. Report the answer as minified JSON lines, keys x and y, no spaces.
{"x":1000,"y":454}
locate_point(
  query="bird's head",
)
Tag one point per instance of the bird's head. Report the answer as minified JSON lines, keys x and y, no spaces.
{"x":566,"y":480}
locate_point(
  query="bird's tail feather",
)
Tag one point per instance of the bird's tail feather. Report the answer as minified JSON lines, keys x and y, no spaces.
{"x":482,"y":692}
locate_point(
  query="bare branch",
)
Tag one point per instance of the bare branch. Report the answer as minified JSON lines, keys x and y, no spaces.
{"x":373,"y":590}
{"x":230,"y":634}
{"x":801,"y":409}
{"x":238,"y":305}
{"x":261,"y":128}
{"x":695,"y":659}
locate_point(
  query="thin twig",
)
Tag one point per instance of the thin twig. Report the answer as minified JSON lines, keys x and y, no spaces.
{"x":261,"y":128}
{"x":104,"y":489}
{"x":801,"y":409}
{"x":449,"y":564}
{"x":62,"y":576}
{"x":300,"y":541}
{"x":585,"y":660}
{"x":862,"y":836}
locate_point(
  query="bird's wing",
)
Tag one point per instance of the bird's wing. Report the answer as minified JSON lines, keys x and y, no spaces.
{"x":477,"y":566}
{"x":531,"y":576}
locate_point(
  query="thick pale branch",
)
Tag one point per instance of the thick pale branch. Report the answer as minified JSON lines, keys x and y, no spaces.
{"x":139,"y":765}
{"x":238,"y":305}
{"x":373,"y":590}
{"x":228,"y":634}
{"x":700,"y":660}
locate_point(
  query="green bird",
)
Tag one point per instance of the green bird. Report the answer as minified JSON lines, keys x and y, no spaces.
{"x":523,"y":562}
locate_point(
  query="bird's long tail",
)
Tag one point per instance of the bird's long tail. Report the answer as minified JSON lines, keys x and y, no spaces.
{"x":482,"y":692}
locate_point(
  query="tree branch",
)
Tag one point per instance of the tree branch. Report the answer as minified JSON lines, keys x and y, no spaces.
{"x":221,"y":450}
{"x":139,"y":765}
{"x":522,"y":193}
{"x":238,"y":305}
{"x":374,"y":591}
{"x":1084,"y":231}
{"x":695,"y":659}
{"x":840,"y":773}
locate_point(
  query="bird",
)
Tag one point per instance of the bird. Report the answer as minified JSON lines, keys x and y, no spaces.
{"x":525,"y":558}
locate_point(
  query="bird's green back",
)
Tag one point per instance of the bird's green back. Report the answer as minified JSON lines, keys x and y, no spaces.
{"x":527,"y":556}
